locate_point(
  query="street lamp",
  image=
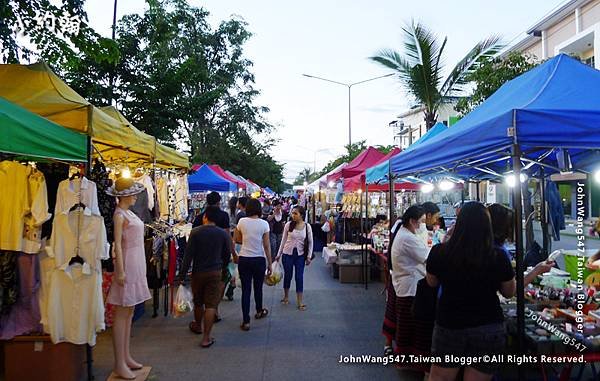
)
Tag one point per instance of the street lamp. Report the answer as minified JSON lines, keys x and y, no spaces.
{"x":349,"y":86}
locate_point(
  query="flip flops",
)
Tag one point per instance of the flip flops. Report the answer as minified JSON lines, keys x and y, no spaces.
{"x":245,"y":326}
{"x":194,"y":328}
{"x":210,"y":343}
{"x":261,"y":314}
{"x":302,"y":307}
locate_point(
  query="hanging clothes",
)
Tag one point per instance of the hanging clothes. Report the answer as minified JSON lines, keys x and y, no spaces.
{"x":9,"y":286}
{"x":14,"y":203}
{"x":24,"y":316}
{"x":555,"y":209}
{"x":140,"y":208}
{"x":146,"y":181}
{"x":106,"y":203}
{"x":70,"y":192}
{"x":181,"y":198}
{"x":163,"y":198}
{"x":38,"y":213}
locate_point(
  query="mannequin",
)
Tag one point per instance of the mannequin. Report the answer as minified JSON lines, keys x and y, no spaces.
{"x":130,"y":286}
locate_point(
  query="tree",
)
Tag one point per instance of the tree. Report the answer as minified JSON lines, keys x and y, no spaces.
{"x":421,"y":67}
{"x":182,"y":81}
{"x":492,"y":74}
{"x":34,"y":29}
{"x":306,"y":175}
{"x":352,"y":151}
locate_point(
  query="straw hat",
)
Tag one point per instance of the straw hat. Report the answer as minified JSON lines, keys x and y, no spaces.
{"x":125,"y":187}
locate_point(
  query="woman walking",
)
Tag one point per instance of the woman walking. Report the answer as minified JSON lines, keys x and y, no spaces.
{"x":277,"y":220}
{"x":254,"y":259}
{"x":295,"y":251}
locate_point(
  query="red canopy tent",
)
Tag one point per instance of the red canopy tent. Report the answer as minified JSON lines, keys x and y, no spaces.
{"x":364,"y":160}
{"x":357,"y":182}
{"x":240,"y":184}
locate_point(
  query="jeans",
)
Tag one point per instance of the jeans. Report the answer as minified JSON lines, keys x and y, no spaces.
{"x":252,"y":271}
{"x":293,"y":263}
{"x":275,"y":243}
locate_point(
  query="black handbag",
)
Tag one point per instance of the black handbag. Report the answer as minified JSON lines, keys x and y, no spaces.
{"x":306,"y":243}
{"x":425,"y":302}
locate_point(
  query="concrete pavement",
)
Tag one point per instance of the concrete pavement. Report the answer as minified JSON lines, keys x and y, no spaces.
{"x":287,"y":345}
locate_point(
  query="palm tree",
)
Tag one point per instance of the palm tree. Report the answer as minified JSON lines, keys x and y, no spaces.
{"x":420,"y":69}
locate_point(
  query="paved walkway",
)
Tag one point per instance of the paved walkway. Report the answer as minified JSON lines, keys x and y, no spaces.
{"x":288,"y":345}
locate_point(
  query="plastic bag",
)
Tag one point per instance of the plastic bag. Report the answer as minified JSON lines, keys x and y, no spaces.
{"x":236,"y":275}
{"x":183,"y":302}
{"x":276,"y":274}
{"x":326,"y":227}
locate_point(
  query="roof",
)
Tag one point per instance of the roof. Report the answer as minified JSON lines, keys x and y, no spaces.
{"x":364,"y":160}
{"x":556,"y":105}
{"x":205,"y":179}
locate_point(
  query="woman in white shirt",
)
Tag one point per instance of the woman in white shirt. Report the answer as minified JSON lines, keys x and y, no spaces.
{"x":408,"y":257}
{"x":296,"y":234}
{"x":254,"y":258}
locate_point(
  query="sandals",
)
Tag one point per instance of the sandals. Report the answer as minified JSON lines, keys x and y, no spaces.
{"x":245,"y":326}
{"x":194,"y":328}
{"x":302,"y":307}
{"x":212,"y":341}
{"x":261,"y":314}
{"x":284,"y":301}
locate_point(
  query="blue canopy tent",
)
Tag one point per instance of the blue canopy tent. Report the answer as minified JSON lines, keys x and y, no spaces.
{"x":554,"y":106}
{"x":269,"y":191}
{"x":546,"y":120}
{"x":379,"y":173}
{"x":205,"y":179}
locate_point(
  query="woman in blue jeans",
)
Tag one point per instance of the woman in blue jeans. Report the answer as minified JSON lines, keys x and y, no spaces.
{"x":296,"y":235}
{"x":254,"y":259}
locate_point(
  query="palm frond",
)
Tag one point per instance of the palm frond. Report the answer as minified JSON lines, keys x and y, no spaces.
{"x":393,"y":60}
{"x":482,"y":51}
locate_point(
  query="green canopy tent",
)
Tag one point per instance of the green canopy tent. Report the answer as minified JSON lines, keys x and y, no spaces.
{"x":25,"y":133}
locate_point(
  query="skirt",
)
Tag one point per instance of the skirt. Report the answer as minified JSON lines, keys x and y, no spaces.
{"x":411,"y":336}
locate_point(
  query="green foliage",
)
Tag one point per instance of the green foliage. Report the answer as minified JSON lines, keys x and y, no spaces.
{"x":421,"y":66}
{"x":491,"y":75}
{"x":305,"y":175}
{"x":181,"y":80}
{"x":56,"y":33}
{"x":352,"y":151}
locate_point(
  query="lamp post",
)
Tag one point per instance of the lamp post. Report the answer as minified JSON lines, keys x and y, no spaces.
{"x":349,"y":86}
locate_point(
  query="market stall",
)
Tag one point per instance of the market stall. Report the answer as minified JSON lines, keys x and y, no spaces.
{"x":542,"y":122}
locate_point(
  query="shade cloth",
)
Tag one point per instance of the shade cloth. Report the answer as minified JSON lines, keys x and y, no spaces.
{"x":364,"y":160}
{"x":555,"y":105}
{"x":239,"y":183}
{"x":28,"y":134}
{"x":321,"y":182}
{"x":205,"y":179}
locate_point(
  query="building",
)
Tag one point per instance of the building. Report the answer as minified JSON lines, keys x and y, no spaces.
{"x":410,"y":125}
{"x":572,"y":28}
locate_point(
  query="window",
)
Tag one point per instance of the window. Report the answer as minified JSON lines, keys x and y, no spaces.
{"x":589,"y":61}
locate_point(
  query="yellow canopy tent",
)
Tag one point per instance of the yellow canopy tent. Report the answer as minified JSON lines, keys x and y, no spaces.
{"x":36,"y":88}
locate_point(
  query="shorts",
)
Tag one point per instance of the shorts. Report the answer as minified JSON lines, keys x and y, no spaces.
{"x":206,"y":287}
{"x":478,"y":341}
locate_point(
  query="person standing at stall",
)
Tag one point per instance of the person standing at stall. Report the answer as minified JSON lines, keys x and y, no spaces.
{"x":276,"y":220}
{"x":241,"y":205}
{"x":297,"y":241}
{"x":130,"y":286}
{"x":408,"y":255}
{"x":254,"y":259}
{"x":471,"y":270}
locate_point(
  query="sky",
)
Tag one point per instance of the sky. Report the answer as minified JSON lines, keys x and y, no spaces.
{"x":334,"y":39}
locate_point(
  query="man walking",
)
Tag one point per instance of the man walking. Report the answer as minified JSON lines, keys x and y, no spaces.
{"x":209,"y":249}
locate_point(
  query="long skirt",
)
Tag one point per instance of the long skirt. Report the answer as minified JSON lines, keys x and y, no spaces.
{"x":410,"y":336}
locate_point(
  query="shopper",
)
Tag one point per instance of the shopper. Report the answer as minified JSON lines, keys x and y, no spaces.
{"x":469,"y":320}
{"x":432,"y":214}
{"x":276,"y":220}
{"x":296,"y":235}
{"x":233,"y":211}
{"x":130,"y":287}
{"x":503,"y":221}
{"x":254,"y":259}
{"x":409,"y":252}
{"x":267,"y":209}
{"x":209,"y":249}
{"x":214,"y":199}
{"x":241,"y":205}
{"x":233,"y":202}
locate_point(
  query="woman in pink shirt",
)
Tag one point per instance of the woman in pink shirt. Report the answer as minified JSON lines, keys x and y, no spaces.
{"x":296,"y":235}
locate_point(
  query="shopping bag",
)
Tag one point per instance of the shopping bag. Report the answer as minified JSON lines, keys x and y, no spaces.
{"x":326,"y":227}
{"x":276,"y":274}
{"x":183,"y":302}
{"x":238,"y":281}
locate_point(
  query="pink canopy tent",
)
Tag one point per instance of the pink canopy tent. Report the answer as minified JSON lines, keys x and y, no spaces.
{"x":364,"y":160}
{"x":357,"y":182}
{"x":222,"y":173}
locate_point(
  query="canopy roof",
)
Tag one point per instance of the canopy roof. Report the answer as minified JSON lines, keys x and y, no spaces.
{"x":269,"y":191}
{"x":36,"y":88}
{"x":553,"y":106}
{"x":364,"y":160}
{"x":357,"y":182}
{"x":239,"y":183}
{"x":379,"y":172}
{"x":205,"y":179}
{"x":26,"y":133}
{"x":321,"y":182}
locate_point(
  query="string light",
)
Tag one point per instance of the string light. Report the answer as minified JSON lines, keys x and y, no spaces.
{"x":511,"y":180}
{"x":446,"y":185}
{"x":427,"y":188}
{"x":126,"y":173}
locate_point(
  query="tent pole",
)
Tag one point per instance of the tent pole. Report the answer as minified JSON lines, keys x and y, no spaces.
{"x":477,"y":189}
{"x":363,"y":238}
{"x":544,"y":214}
{"x":517,"y":205}
{"x":88,"y":169}
{"x":392,"y":198}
